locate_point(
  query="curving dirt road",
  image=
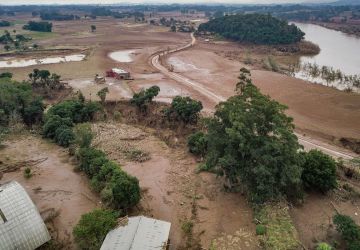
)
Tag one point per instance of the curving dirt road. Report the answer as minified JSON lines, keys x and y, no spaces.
{"x":308,"y":143}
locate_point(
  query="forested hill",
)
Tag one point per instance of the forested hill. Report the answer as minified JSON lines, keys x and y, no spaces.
{"x":254,"y":28}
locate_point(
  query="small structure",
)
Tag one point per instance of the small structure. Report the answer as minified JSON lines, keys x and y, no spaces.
{"x":139,"y":233}
{"x":21,"y":226}
{"x":99,"y":79}
{"x":118,"y":73}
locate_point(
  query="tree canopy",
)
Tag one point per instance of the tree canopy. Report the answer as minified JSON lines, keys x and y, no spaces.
{"x":38,"y":26}
{"x":251,"y":142}
{"x":254,"y":28}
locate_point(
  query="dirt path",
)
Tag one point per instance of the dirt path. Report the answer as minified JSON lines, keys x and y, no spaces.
{"x":54,"y":186}
{"x":308,"y":143}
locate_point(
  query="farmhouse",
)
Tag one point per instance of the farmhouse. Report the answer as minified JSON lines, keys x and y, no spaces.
{"x":118,"y":73}
{"x":21,"y":226}
{"x":138,"y":233}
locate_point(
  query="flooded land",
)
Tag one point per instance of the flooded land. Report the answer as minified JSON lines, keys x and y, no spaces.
{"x":145,"y":141}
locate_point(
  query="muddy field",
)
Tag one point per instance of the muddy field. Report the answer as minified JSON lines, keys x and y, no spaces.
{"x":60,"y":194}
{"x":318,"y":111}
{"x":172,"y":189}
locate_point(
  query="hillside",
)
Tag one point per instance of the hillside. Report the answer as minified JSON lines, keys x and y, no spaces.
{"x":254,"y":28}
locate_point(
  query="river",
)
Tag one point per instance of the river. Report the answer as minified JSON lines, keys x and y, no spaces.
{"x":338,"y":50}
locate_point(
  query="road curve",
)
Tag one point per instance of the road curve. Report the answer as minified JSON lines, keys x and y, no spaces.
{"x":308,"y":143}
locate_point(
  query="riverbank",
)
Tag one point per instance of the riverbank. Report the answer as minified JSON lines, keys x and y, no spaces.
{"x":350,"y":29}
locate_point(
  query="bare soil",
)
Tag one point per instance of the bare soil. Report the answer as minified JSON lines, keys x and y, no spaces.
{"x":173,"y":191}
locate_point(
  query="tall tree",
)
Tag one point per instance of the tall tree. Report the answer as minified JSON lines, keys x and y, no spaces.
{"x":251,"y":142}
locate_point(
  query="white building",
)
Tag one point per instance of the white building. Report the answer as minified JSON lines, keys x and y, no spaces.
{"x":139,"y":233}
{"x":21,"y":226}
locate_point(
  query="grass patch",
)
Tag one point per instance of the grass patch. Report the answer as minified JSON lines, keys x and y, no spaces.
{"x":137,"y":155}
{"x":280,"y":232}
{"x":36,"y":35}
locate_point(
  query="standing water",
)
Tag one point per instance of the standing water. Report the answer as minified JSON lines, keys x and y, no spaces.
{"x":339,"y":52}
{"x":19,"y":63}
{"x":124,"y":56}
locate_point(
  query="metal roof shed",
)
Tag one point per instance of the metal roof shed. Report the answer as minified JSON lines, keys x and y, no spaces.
{"x":21,"y":226}
{"x":140,"y":233}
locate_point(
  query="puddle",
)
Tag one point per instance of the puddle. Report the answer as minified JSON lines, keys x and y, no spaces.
{"x":183,"y":66}
{"x":20,"y":63}
{"x":124,"y":56}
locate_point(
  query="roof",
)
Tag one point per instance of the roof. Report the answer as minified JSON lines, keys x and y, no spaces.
{"x":119,"y":71}
{"x":140,"y":233}
{"x":21,"y":226}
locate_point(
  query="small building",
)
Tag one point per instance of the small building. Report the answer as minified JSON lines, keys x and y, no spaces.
{"x":118,"y":73}
{"x":138,"y":233}
{"x":21,"y":226}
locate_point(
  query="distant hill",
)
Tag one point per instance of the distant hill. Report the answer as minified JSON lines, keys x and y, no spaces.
{"x":346,"y":2}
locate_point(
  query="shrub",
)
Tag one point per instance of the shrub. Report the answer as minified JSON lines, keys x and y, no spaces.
{"x":83,"y":135}
{"x":319,"y":171}
{"x":64,"y":136}
{"x":323,"y":246}
{"x":27,"y":173}
{"x":92,"y":228}
{"x":197,"y":143}
{"x":187,"y":227}
{"x":260,"y":229}
{"x":52,"y":123}
{"x":6,"y":75}
{"x":184,"y":109}
{"x":87,"y":158}
{"x":346,"y":226}
{"x":125,"y":190}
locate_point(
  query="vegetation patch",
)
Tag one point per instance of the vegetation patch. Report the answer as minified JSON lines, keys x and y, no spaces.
{"x":254,"y":28}
{"x":137,"y":155}
{"x":280,"y":232}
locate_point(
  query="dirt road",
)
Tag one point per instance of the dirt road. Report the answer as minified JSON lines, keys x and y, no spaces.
{"x":308,"y":143}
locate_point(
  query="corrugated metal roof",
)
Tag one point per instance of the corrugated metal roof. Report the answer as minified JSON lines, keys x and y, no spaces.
{"x":140,"y":233}
{"x":21,"y":226}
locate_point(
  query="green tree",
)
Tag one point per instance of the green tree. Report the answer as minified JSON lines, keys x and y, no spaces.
{"x":184,"y":109}
{"x":348,"y":229}
{"x":144,"y":97}
{"x":319,"y":171}
{"x":125,"y":190}
{"x":92,"y":228}
{"x":102,"y":94}
{"x":93,"y":28}
{"x":197,"y":143}
{"x":64,"y":136}
{"x":83,"y":135}
{"x":324,"y":246}
{"x":251,"y":142}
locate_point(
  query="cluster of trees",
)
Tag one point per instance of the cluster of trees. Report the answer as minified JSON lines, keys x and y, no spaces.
{"x":45,"y":81}
{"x":60,"y":119}
{"x":4,"y":23}
{"x":254,"y":28}
{"x":56,"y":16}
{"x":183,"y":109}
{"x":144,"y":97}
{"x":102,"y":11}
{"x":330,"y":75}
{"x":18,"y":103}
{"x":38,"y":26}
{"x":17,"y":41}
{"x":250,"y":141}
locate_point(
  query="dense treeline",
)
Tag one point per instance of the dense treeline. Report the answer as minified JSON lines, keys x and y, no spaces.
{"x":4,"y":23}
{"x":18,"y":103}
{"x":56,"y":16}
{"x":38,"y":26}
{"x":254,"y":28}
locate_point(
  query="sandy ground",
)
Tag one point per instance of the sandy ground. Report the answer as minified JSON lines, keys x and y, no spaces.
{"x":318,"y":111}
{"x":54,"y":184}
{"x":173,"y":190}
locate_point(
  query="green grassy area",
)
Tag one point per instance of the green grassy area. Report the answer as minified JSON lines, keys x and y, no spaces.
{"x":280,"y":232}
{"x":18,"y":22}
